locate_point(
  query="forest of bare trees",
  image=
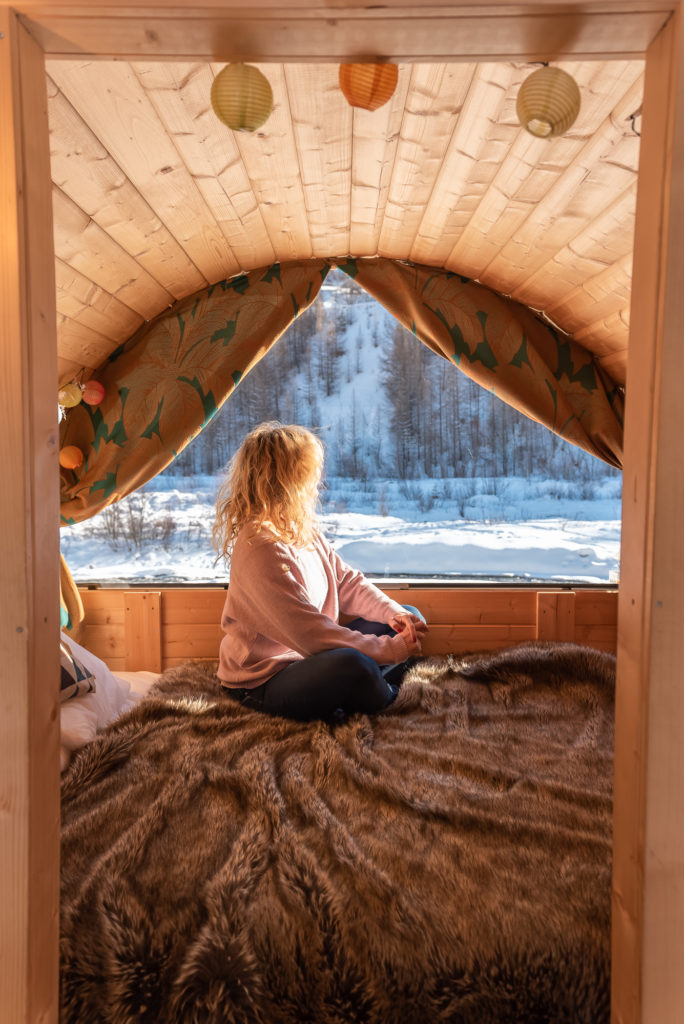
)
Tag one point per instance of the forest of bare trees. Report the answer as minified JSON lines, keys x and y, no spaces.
{"x":421,"y":417}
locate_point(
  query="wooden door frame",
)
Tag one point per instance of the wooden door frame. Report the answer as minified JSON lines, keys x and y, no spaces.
{"x":648,"y":933}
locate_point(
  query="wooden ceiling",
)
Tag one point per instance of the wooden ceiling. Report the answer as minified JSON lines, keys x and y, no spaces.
{"x":154,"y":198}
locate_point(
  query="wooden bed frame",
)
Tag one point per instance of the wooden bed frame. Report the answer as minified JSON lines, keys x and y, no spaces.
{"x":648,"y":877}
{"x":152,"y":630}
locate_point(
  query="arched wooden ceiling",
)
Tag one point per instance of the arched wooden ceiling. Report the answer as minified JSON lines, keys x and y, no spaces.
{"x":154,"y":198}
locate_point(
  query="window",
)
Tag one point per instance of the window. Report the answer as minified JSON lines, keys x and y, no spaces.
{"x":428,"y":475}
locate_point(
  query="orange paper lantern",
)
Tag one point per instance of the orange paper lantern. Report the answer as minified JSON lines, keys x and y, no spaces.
{"x":71,"y":457}
{"x":93,"y":392}
{"x":368,"y":86}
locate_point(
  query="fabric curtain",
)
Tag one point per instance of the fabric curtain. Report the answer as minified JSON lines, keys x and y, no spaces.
{"x":71,"y":612}
{"x":505,"y":347}
{"x":169,"y":380}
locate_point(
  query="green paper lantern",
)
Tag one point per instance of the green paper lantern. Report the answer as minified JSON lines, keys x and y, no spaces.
{"x":242,"y":97}
{"x":548,"y":102}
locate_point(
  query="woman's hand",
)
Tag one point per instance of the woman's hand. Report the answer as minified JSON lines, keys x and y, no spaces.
{"x":413,"y":628}
{"x":413,"y":646}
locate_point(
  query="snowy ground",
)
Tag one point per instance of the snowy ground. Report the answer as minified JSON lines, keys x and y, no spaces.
{"x":480,"y":530}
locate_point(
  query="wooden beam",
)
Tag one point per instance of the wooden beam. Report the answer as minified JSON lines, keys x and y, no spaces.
{"x":648,"y":873}
{"x":294,"y":31}
{"x":29,"y":512}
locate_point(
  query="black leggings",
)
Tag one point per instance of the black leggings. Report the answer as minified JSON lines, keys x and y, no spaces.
{"x":329,"y":685}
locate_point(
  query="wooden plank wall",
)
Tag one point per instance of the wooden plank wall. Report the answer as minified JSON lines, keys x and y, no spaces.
{"x":29,"y":543}
{"x":133,"y":630}
{"x":648,"y":824}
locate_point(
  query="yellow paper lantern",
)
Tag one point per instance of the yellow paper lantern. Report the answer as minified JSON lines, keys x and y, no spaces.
{"x":368,"y":86}
{"x":71,"y":457}
{"x":69,"y":395}
{"x":242,"y":97}
{"x":548,"y":102}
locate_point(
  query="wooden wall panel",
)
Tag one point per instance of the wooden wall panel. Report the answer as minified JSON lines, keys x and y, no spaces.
{"x":197,"y":604}
{"x":103,"y":628}
{"x":29,"y":543}
{"x":555,"y":615}
{"x":465,"y":638}
{"x":648,"y":866}
{"x":604,"y":638}
{"x":596,"y":606}
{"x":487,"y":606}
{"x":142,"y":629}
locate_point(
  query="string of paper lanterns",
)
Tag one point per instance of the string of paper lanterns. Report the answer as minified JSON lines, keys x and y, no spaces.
{"x":72,"y":394}
{"x":68,"y":397}
{"x":547,"y":105}
{"x":242,"y":98}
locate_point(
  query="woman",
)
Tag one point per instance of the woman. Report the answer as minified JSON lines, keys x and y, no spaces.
{"x":284,"y":650}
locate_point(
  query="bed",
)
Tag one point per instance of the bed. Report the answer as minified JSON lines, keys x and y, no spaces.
{"x":86,"y":712}
{"x":447,"y":860}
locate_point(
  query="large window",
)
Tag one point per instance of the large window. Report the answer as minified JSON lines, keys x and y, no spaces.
{"x":428,"y":475}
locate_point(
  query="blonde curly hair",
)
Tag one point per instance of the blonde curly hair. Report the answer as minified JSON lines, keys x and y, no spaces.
{"x":273,"y":481}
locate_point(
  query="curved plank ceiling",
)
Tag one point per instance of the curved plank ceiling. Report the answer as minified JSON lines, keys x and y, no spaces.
{"x":154,"y":198}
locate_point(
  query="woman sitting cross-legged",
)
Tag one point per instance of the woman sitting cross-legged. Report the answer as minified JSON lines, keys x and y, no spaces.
{"x":284,"y":650}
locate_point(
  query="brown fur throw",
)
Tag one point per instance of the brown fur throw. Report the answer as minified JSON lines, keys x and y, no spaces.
{"x":447,"y":860}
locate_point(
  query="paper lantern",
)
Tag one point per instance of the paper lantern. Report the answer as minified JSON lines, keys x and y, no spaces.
{"x":548,"y":102}
{"x":242,"y":97}
{"x":69,"y":395}
{"x":71,"y":457}
{"x":368,"y":86}
{"x":93,"y":392}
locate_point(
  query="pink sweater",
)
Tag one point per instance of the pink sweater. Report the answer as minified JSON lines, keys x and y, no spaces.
{"x":283,"y":604}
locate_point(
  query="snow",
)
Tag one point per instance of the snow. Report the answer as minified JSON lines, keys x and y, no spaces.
{"x":554,"y":539}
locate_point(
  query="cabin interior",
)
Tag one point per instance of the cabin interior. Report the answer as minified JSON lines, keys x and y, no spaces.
{"x":126,"y":203}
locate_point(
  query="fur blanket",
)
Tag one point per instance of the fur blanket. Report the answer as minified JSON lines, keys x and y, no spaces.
{"x":447,"y":860}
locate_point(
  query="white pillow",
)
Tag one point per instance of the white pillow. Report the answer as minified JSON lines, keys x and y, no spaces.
{"x":82,"y":717}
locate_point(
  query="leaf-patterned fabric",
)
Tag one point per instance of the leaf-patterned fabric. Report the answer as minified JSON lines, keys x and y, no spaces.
{"x":169,"y":379}
{"x":71,"y":612}
{"x":505,"y":347}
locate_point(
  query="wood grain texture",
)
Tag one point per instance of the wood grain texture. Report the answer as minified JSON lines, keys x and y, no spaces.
{"x":154,"y":196}
{"x":555,"y":616}
{"x":143,"y":630}
{"x":29,"y":720}
{"x":295,"y":31}
{"x":134,"y":629}
{"x":648,"y":874}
